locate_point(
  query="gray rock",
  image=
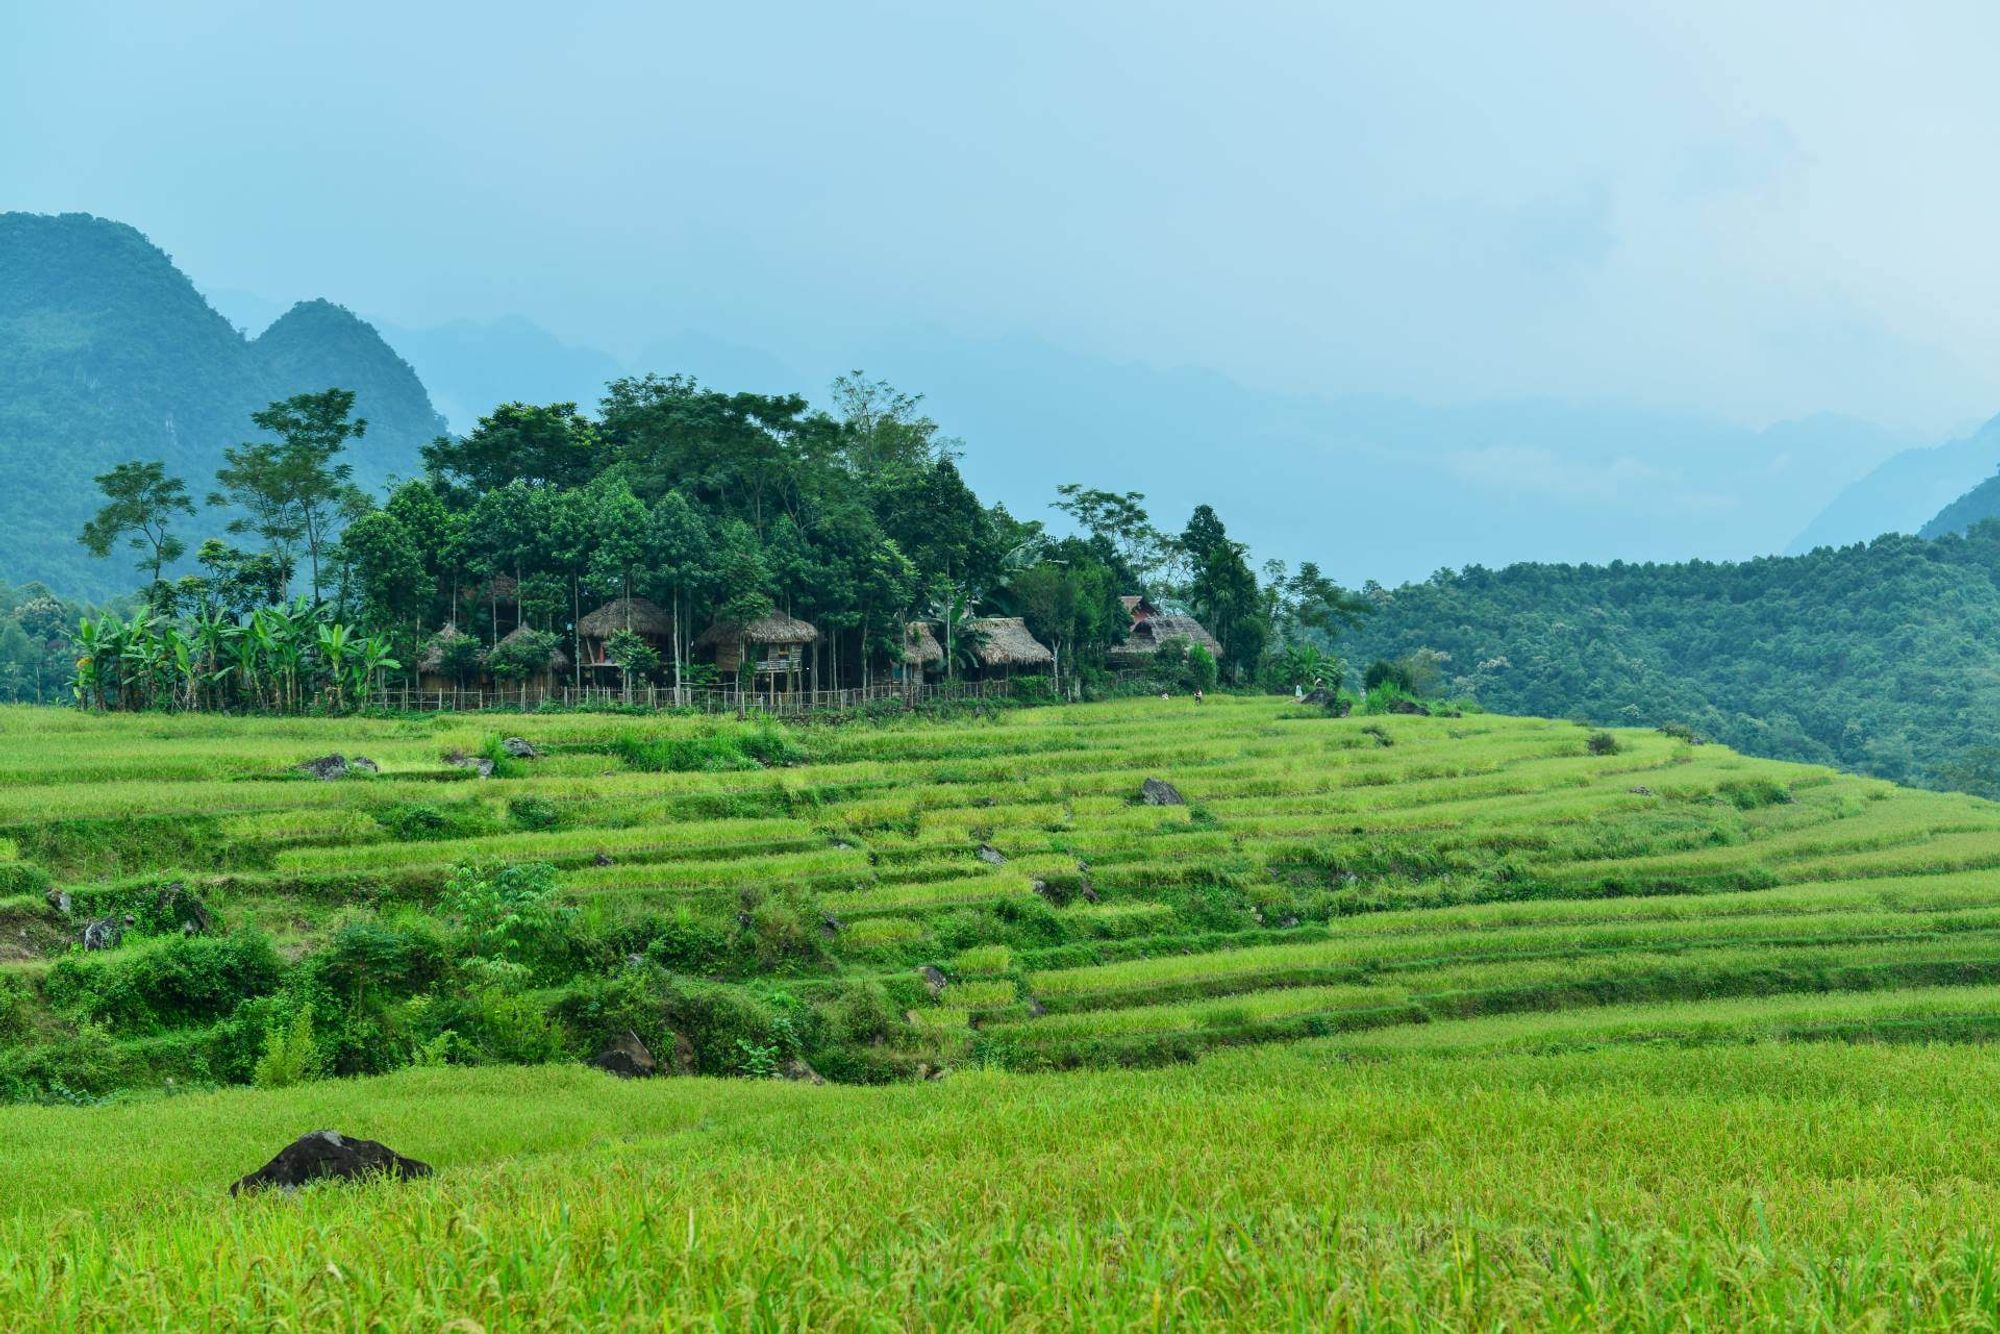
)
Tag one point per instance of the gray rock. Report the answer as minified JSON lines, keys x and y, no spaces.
{"x":627,"y":1058}
{"x":1409,"y":706}
{"x":1159,"y":792}
{"x":933,"y":979}
{"x":327,"y":1155}
{"x":799,"y":1072}
{"x":59,"y":900}
{"x":991,"y":855}
{"x":363,"y":765}
{"x":519,"y":748}
{"x":103,"y":933}
{"x":326,"y":768}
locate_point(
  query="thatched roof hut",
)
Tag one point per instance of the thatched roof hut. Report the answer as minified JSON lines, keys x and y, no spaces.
{"x":431,"y":660}
{"x":920,"y":645}
{"x":780,"y":634}
{"x":1004,"y":643}
{"x":641,"y":617}
{"x":1149,"y":634}
{"x":1137,"y":607}
{"x":777,"y":628}
{"x":558,"y":660}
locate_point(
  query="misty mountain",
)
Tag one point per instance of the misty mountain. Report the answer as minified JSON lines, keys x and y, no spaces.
{"x":1377,"y":487}
{"x":471,"y":367}
{"x":1906,"y":492}
{"x":108,"y":353}
{"x":1982,"y":502}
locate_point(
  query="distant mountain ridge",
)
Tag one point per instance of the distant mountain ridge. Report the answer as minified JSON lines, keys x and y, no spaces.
{"x":1906,"y":492}
{"x":109,"y":353}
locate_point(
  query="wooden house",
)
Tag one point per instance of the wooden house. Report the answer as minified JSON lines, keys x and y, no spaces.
{"x":642,"y":618}
{"x":775,"y":644}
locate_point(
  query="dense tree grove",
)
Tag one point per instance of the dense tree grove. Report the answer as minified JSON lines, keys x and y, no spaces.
{"x":718,"y":507}
{"x":1882,"y":657}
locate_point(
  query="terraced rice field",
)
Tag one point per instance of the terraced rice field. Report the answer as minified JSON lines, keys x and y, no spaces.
{"x":1397,"y":876}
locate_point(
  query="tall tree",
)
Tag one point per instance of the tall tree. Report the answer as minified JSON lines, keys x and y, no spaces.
{"x":884,"y":430}
{"x":1224,"y":592}
{"x":140,"y":502}
{"x":553,"y":445}
{"x":295,"y":488}
{"x":678,"y":543}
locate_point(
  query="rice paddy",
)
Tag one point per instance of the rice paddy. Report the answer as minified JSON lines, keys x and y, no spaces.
{"x":1396,"y":1022}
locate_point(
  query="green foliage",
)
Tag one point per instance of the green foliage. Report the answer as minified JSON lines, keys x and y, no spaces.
{"x":167,"y":984}
{"x":722,"y":748}
{"x":510,"y":914}
{"x":291,"y":1055}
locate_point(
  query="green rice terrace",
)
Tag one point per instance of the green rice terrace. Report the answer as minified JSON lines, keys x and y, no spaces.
{"x":1357,"y":1021}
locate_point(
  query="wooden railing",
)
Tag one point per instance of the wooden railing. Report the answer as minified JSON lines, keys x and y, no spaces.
{"x":716,"y":699}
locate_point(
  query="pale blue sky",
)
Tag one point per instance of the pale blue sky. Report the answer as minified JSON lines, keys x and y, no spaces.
{"x":1753,"y":212}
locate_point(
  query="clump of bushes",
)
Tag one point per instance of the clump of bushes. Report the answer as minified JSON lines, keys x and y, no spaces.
{"x":420,"y":821}
{"x":173,"y":983}
{"x":1601,"y":743}
{"x":534,"y":814}
{"x":763,"y":745}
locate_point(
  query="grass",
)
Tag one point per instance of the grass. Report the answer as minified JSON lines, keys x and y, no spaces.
{"x":1762,"y":1187}
{"x":1476,"y":1028}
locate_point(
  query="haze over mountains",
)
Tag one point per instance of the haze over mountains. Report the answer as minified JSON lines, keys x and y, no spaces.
{"x":108,"y":352}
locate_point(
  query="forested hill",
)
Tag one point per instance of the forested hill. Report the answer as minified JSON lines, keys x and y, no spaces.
{"x":1982,"y":502}
{"x":1883,"y":658}
{"x":108,"y":353}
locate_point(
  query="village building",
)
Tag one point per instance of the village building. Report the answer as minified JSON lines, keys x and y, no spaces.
{"x":432,"y":673}
{"x":923,"y":656}
{"x":554,"y":674}
{"x":644,"y":619}
{"x":775,"y":644}
{"x":1152,"y":629}
{"x":1004,"y":647}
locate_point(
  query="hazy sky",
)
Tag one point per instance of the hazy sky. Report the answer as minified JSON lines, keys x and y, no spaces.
{"x":1751,"y":210}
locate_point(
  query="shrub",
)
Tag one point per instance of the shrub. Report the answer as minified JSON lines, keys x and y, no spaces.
{"x":1201,"y":669}
{"x":1601,"y":743}
{"x":290,"y":1054}
{"x":511,"y":914}
{"x":369,"y":957}
{"x":781,"y":936}
{"x":418,"y":822}
{"x":1747,"y":794}
{"x":175,"y":983}
{"x":518,"y":658}
{"x":687,"y":943}
{"x":861,"y":1015}
{"x":534,"y":814}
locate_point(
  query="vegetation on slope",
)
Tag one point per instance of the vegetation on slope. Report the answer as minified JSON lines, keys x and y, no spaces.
{"x":1882,"y":658}
{"x":885,"y":901}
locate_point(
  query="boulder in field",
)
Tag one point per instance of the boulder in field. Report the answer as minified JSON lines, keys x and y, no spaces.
{"x":520,"y":748}
{"x":326,"y":768}
{"x":328,"y":1155}
{"x":799,"y":1072}
{"x":627,"y":1058}
{"x":103,"y":933}
{"x":1409,"y":706}
{"x":991,"y":855}
{"x":361,"y":764}
{"x":1159,"y":792}
{"x":933,"y":979}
